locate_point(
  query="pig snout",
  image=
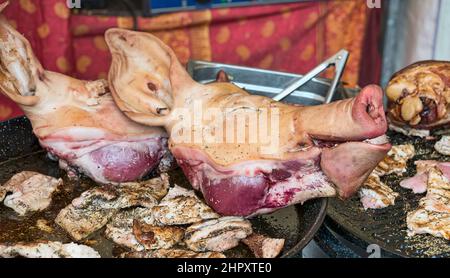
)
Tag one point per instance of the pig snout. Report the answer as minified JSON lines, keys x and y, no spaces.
{"x":356,"y":119}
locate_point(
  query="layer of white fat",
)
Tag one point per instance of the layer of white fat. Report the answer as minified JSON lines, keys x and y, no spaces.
{"x":73,"y":250}
{"x":380,"y":140}
{"x":443,"y":145}
{"x":410,"y":131}
{"x":302,"y":188}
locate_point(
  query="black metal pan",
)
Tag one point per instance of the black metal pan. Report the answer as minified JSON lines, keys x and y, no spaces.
{"x":20,"y":150}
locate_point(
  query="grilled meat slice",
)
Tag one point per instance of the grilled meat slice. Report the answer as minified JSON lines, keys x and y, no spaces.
{"x":422,"y":221}
{"x":443,"y":145}
{"x":396,"y":160}
{"x":95,"y":207}
{"x":181,"y":206}
{"x":31,"y":192}
{"x":47,"y":249}
{"x":263,"y":246}
{"x":433,"y":214}
{"x":171,"y":253}
{"x":218,"y":234}
{"x":375,"y":194}
{"x":157,"y":237}
{"x":418,"y":183}
{"x":120,"y":228}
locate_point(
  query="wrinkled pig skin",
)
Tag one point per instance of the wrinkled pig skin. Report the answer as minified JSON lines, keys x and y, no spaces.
{"x":76,"y":121}
{"x":322,"y":150}
{"x":419,"y":95}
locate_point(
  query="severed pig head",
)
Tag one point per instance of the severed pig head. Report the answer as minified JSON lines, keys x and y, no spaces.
{"x":419,"y":95}
{"x":294,"y":154}
{"x":76,"y":121}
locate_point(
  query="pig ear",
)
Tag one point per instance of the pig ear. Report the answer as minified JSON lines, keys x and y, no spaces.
{"x":145,"y":75}
{"x":19,"y":67}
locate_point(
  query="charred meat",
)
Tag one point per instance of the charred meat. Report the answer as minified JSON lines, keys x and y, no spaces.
{"x":157,"y":237}
{"x":181,"y":206}
{"x":263,"y":246}
{"x":95,"y":207}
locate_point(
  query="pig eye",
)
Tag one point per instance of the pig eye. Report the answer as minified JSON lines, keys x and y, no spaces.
{"x":152,"y":87}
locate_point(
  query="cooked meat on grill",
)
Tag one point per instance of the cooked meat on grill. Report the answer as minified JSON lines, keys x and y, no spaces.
{"x":418,"y":183}
{"x":263,"y":246}
{"x":433,"y":214}
{"x":217,"y":234}
{"x":257,"y":174}
{"x":95,"y":207}
{"x":171,"y":253}
{"x":156,"y":187}
{"x":396,"y":160}
{"x":120,"y":228}
{"x":443,"y":146}
{"x":31,"y":192}
{"x":419,"y":96}
{"x":181,"y":206}
{"x":157,"y":237}
{"x":375,"y":194}
{"x":47,"y":249}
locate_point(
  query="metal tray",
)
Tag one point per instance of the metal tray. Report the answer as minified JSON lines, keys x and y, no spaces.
{"x":268,"y":83}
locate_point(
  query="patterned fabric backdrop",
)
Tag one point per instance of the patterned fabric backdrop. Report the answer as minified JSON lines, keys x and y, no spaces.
{"x":287,"y":37}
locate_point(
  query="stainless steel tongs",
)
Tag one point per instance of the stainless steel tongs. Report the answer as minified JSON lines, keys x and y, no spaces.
{"x":339,"y":61}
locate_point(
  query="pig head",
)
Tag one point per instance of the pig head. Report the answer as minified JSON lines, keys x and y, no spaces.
{"x":76,"y":121}
{"x":295,"y":153}
{"x":419,"y":95}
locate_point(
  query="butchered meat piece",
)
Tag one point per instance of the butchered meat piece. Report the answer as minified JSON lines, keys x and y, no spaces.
{"x":95,"y":207}
{"x":120,"y":228}
{"x":218,"y":234}
{"x":181,"y":206}
{"x":31,"y":192}
{"x":171,"y":253}
{"x":375,"y":194}
{"x":443,"y":145}
{"x":47,"y":249}
{"x":157,"y":237}
{"x":418,"y":183}
{"x":264,"y":246}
